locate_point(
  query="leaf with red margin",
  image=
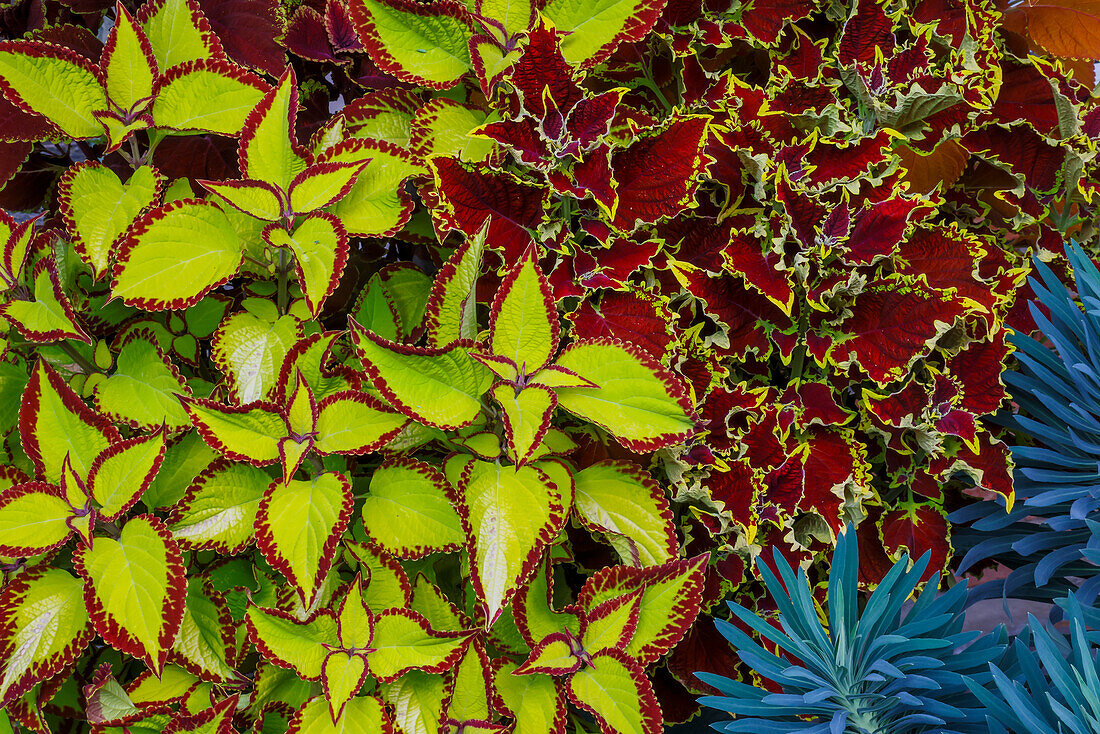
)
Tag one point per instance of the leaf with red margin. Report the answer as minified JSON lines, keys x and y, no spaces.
{"x":593,"y":31}
{"x":268,"y":150}
{"x":404,"y":641}
{"x":206,"y":644}
{"x":178,"y":32}
{"x":298,"y":528}
{"x":128,"y":63}
{"x":526,"y":414}
{"x":218,"y":511}
{"x":342,"y":675}
{"x":44,"y":627}
{"x":291,"y":643}
{"x":990,"y":468}
{"x":323,"y":184}
{"x":389,"y":584}
{"x":536,"y":616}
{"x":622,"y":500}
{"x":55,"y":82}
{"x":17,"y":238}
{"x":361,"y":715}
{"x":35,"y":518}
{"x":218,"y":719}
{"x":254,"y":198}
{"x":671,"y":595}
{"x":320,"y":247}
{"x":248,"y":432}
{"x":54,"y":423}
{"x":556,"y":654}
{"x":350,"y":422}
{"x":211,"y":95}
{"x":893,"y":324}
{"x":917,"y":529}
{"x":617,"y":692}
{"x":410,"y":510}
{"x":427,"y":45}
{"x":866,"y":31}
{"x":49,"y":317}
{"x":249,"y":31}
{"x":509,"y":514}
{"x":473,"y":194}
{"x":536,"y":702}
{"x":306,"y":37}
{"x":612,"y":623}
{"x":979,"y":368}
{"x":636,"y":317}
{"x":523,"y":321}
{"x":470,"y":693}
{"x":121,"y":474}
{"x":657,"y":172}
{"x":451,"y":311}
{"x":541,"y":67}
{"x":377,"y":204}
{"x":135,"y":589}
{"x":878,"y":229}
{"x":1024,"y":152}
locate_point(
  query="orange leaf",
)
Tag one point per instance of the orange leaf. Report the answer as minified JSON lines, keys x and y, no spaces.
{"x":1066,"y":28}
{"x":943,"y":165}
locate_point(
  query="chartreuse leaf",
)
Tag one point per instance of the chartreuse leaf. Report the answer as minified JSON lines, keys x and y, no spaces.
{"x":527,"y":414}
{"x":417,"y":698}
{"x":16,"y":237}
{"x":210,"y":95}
{"x":638,"y":400}
{"x":409,"y":511}
{"x":438,"y":386}
{"x":290,"y":643}
{"x":142,"y":391}
{"x":430,"y":601}
{"x":54,"y":423}
{"x":49,"y":317}
{"x":443,"y":126}
{"x":205,"y":644}
{"x":173,"y":684}
{"x":128,"y":63}
{"x":135,"y":587}
{"x":274,"y":684}
{"x":451,"y":309}
{"x":320,"y":247}
{"x":404,"y":641}
{"x":34,"y":517}
{"x":97,"y":207}
{"x":536,"y":616}
{"x":178,"y":32}
{"x":254,"y":198}
{"x":219,"y":509}
{"x":510,"y":514}
{"x":183,"y":461}
{"x":46,"y":627}
{"x":515,"y":15}
{"x":299,"y":525}
{"x":322,"y":184}
{"x":471,"y":697}
{"x":362,"y":715}
{"x":352,"y":422}
{"x":250,"y":346}
{"x":592,"y":30}
{"x":620,"y":499}
{"x":267,"y":150}
{"x":616,"y":691}
{"x":122,"y":473}
{"x":353,"y":620}
{"x":248,"y":433}
{"x":523,"y":326}
{"x":55,"y":82}
{"x":389,"y":585}
{"x":377,"y":204}
{"x":174,"y":254}
{"x":553,"y":655}
{"x":612,"y":623}
{"x":428,"y":46}
{"x":342,"y":675}
{"x":535,"y":701}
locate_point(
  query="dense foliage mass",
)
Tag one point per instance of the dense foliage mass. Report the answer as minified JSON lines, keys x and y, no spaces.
{"x":378,"y":365}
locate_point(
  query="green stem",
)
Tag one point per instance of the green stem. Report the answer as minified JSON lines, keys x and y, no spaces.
{"x":87,"y":367}
{"x":284,"y":272}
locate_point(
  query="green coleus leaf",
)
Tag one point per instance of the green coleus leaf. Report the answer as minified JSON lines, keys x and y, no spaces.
{"x":377,"y":204}
{"x":417,"y":698}
{"x":509,"y":516}
{"x":556,"y":654}
{"x":254,"y":198}
{"x":274,"y":685}
{"x":204,"y":252}
{"x":471,"y":693}
{"x":410,"y":510}
{"x":593,"y":30}
{"x":210,"y":95}
{"x":135,"y":588}
{"x":523,"y":325}
{"x":535,"y":614}
{"x":98,"y":208}
{"x":54,"y":423}
{"x":430,"y":601}
{"x":246,"y":433}
{"x":288,"y":643}
{"x":183,"y":461}
{"x":320,"y":247}
{"x":535,"y":701}
{"x":441,"y":387}
{"x":46,"y":627}
{"x":49,"y":317}
{"x":516,"y":16}
{"x":452,"y":304}
{"x":17,"y":238}
{"x":342,"y":675}
{"x":128,"y":63}
{"x":173,"y":685}
{"x":322,"y":184}
{"x":55,"y":82}
{"x":617,"y":692}
{"x":526,"y":415}
{"x":425,"y":45}
{"x":206,"y":642}
{"x":361,"y":715}
{"x":611,"y":623}
{"x":122,"y":473}
{"x":620,"y":499}
{"x":639,"y":401}
{"x":34,"y":518}
{"x":267,"y":150}
{"x":403,"y":641}
{"x":178,"y":32}
{"x":389,"y":584}
{"x":249,"y":348}
{"x":219,"y":509}
{"x":443,"y":126}
{"x":299,"y":525}
{"x":142,"y":391}
{"x":351,"y":422}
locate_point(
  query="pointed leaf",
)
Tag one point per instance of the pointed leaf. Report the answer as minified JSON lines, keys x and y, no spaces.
{"x":621,"y":499}
{"x":594,"y":30}
{"x":178,"y":32}
{"x":142,"y":391}
{"x":49,"y":317}
{"x":299,"y":525}
{"x":34,"y":518}
{"x":292,"y":644}
{"x":268,"y":151}
{"x":554,"y":655}
{"x":355,"y":423}
{"x":320,"y":247}
{"x":410,"y":510}
{"x":616,"y":691}
{"x":219,"y":510}
{"x":342,"y":675}
{"x":254,"y":198}
{"x":245,"y":433}
{"x":416,"y":698}
{"x":389,"y":584}
{"x":536,"y":702}
{"x":135,"y":589}
{"x":377,"y":204}
{"x":122,"y":473}
{"x":523,"y":325}
{"x":322,"y":184}
{"x":425,"y":45}
{"x":527,"y":414}
{"x":404,"y":641}
{"x":452,"y":304}
{"x":471,"y":693}
{"x":204,"y":252}
{"x":211,"y":95}
{"x":249,"y":348}
{"x":206,"y":642}
{"x":362,"y":715}
{"x":55,"y":82}
{"x":128,"y":62}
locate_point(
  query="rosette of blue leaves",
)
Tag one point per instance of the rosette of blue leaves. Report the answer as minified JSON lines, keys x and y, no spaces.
{"x":1056,"y":686}
{"x":1049,"y":538}
{"x":893,"y":668}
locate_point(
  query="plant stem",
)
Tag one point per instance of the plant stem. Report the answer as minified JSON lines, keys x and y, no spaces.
{"x":77,"y":357}
{"x":284,"y":272}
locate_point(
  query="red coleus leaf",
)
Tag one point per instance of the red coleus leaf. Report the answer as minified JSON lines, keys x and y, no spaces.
{"x":879,"y":228}
{"x":704,"y":650}
{"x":989,"y":467}
{"x":632,"y":316}
{"x":766,"y":19}
{"x":542,"y":67}
{"x":590,"y":119}
{"x":737,"y":489}
{"x":657,"y":173}
{"x":817,"y":476}
{"x":804,"y":211}
{"x":830,"y":162}
{"x":866,"y":31}
{"x":948,"y":260}
{"x":523,"y":137}
{"x":978,"y":368}
{"x":742,"y":255}
{"x":745,"y":313}
{"x":893,"y":324}
{"x":919,"y":529}
{"x":249,"y":31}
{"x":473,"y":194}
{"x":1023,"y":151}
{"x":306,"y":37}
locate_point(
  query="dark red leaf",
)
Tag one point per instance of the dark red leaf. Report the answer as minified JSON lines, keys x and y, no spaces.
{"x":879,"y":228}
{"x":247,"y":30}
{"x":917,"y":529}
{"x":636,"y":317}
{"x":866,"y":30}
{"x":743,"y":255}
{"x":1022,"y":150}
{"x":542,"y":67}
